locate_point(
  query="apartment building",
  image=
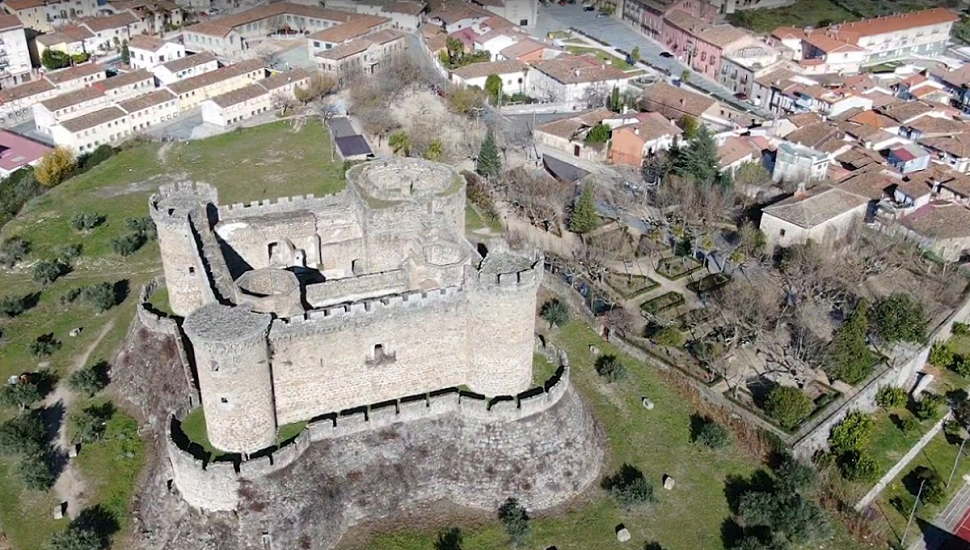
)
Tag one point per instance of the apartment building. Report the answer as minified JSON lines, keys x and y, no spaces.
{"x":126,"y":85}
{"x":194,"y":90}
{"x":456,"y":16}
{"x":50,"y":112}
{"x":14,"y":55}
{"x":362,"y":25}
{"x":150,"y":109}
{"x":740,"y":68}
{"x":648,"y":16}
{"x":76,"y":77}
{"x":876,"y":40}
{"x":364,"y":56}
{"x":185,"y":67}
{"x":405,"y":15}
{"x":70,"y":39}
{"x":699,"y":44}
{"x":93,"y":35}
{"x":46,"y":15}
{"x":18,"y":99}
{"x":146,"y":52}
{"x":229,"y":36}
{"x":86,"y":132}
{"x":247,"y":102}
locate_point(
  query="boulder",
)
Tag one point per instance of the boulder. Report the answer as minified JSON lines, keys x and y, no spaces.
{"x":622,"y":533}
{"x":668,"y":483}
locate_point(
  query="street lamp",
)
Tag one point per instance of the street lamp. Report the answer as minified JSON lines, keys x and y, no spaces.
{"x":964,"y":435}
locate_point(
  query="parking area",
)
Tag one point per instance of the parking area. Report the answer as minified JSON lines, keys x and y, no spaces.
{"x":619,"y":35}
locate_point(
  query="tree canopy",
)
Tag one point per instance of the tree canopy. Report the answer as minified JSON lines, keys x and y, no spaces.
{"x":489,"y":164}
{"x":585,"y":218}
{"x":493,"y":86}
{"x":899,"y":318}
{"x":849,"y":358}
{"x":600,"y":133}
{"x":699,"y":160}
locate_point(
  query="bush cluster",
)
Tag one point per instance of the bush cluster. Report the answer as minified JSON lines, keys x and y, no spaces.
{"x":788,"y":406}
{"x":610,"y":367}
{"x":629,"y":487}
{"x":24,"y":436}
{"x":848,"y":441}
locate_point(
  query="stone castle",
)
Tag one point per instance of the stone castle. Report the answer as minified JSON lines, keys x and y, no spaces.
{"x":308,"y":306}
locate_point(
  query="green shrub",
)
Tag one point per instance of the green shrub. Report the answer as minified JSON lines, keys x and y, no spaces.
{"x":794,"y":475}
{"x":68,"y":252}
{"x":714,"y":435}
{"x":128,"y":245}
{"x":48,"y":271}
{"x":858,"y":466}
{"x":70,"y":296}
{"x":13,"y":249}
{"x":899,"y":318}
{"x":142,"y":226}
{"x":555,"y":312}
{"x":629,"y":487}
{"x":74,"y":538}
{"x":12,"y":306}
{"x":941,"y":355}
{"x":848,"y":357}
{"x":100,"y":296}
{"x":852,"y":433}
{"x":891,"y":397}
{"x":909,"y":424}
{"x":960,"y":365}
{"x":669,"y":336}
{"x":960,"y":329}
{"x":610,"y":367}
{"x":927,"y":406}
{"x":86,"y":221}
{"x":36,"y":472}
{"x":788,"y":406}
{"x":934,"y":491}
{"x":45,"y":345}
{"x":91,"y":422}
{"x":23,"y":434}
{"x":515,"y":521}
{"x":90,"y":380}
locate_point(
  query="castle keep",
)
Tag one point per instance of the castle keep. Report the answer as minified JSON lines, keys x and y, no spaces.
{"x":308,"y":306}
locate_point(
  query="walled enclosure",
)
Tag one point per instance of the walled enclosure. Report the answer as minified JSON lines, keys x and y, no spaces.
{"x":306,"y":306}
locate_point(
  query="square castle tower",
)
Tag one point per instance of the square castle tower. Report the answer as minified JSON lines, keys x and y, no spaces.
{"x":313,"y":305}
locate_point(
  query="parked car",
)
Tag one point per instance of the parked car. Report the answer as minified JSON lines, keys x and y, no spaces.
{"x":589,"y":8}
{"x":741,"y":95}
{"x":667,"y":55}
{"x":601,"y":15}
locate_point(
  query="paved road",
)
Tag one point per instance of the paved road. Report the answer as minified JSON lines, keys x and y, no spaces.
{"x":620,"y":35}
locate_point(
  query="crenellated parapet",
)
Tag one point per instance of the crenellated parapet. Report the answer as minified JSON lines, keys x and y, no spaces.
{"x":283,"y":205}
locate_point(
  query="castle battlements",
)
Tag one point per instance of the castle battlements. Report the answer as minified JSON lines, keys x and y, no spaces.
{"x":380,"y":299}
{"x":282,"y":205}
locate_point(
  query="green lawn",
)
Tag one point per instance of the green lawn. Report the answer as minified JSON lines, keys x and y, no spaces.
{"x":111,"y":466}
{"x":658,"y":442}
{"x":889,"y":443}
{"x":614,"y":61}
{"x":804,"y":13}
{"x":27,"y":516}
{"x":938,"y":455}
{"x":193,"y":426}
{"x":475,"y":221}
{"x":542,"y":369}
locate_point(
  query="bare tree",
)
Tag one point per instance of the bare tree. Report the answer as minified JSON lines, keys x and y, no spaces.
{"x":540,"y":199}
{"x":595,"y":96}
{"x":283,"y":103}
{"x":377,"y":121}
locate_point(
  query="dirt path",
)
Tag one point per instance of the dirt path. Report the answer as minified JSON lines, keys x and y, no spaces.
{"x":163,"y":152}
{"x":69,"y":486}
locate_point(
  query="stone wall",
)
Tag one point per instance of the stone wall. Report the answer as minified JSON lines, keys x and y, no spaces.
{"x":215,"y":486}
{"x":335,"y":291}
{"x":165,"y":326}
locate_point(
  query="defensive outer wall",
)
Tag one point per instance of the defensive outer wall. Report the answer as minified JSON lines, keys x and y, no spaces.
{"x":541,"y":446}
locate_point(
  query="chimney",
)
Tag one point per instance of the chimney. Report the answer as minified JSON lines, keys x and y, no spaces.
{"x":636,"y":130}
{"x":800,"y":190}
{"x":576,"y":72}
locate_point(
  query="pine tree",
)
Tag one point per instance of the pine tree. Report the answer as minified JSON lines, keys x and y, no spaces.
{"x":699,"y":161}
{"x":125,"y":53}
{"x":489,"y":164}
{"x":615,"y":104}
{"x":584,"y":218}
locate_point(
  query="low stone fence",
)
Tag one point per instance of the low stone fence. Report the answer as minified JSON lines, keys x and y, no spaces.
{"x":167,"y":326}
{"x":214,"y":485}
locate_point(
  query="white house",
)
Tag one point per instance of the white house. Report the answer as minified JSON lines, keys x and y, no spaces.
{"x":822,"y":215}
{"x":513,"y":74}
{"x":18,"y":99}
{"x":798,"y":163}
{"x":126,"y":85}
{"x":150,"y":109}
{"x":85,"y":133}
{"x":46,"y":15}
{"x":185,"y":67}
{"x":110,"y":31}
{"x":360,"y":26}
{"x":193,"y":91}
{"x":76,"y":77}
{"x":147,"y":52}
{"x":366,"y":55}
{"x":456,"y":16}
{"x":565,"y":79}
{"x":405,"y":15}
{"x":242,"y":104}
{"x":50,"y":112}
{"x":14,"y":55}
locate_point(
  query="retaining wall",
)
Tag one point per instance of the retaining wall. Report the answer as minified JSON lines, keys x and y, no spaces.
{"x":215,"y":486}
{"x":167,"y":326}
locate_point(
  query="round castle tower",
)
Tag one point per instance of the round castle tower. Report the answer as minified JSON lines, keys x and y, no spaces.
{"x":185,"y":278}
{"x":232,"y":364}
{"x":501,"y":338}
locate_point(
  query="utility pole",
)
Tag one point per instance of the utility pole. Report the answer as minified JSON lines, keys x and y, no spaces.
{"x":912,"y":513}
{"x":963,"y":441}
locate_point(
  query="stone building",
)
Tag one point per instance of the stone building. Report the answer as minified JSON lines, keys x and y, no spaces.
{"x":310,"y":306}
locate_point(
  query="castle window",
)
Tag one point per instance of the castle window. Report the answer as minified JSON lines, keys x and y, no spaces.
{"x":191,"y":271}
{"x":215,"y":368}
{"x":380,"y":356}
{"x":224,"y":400}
